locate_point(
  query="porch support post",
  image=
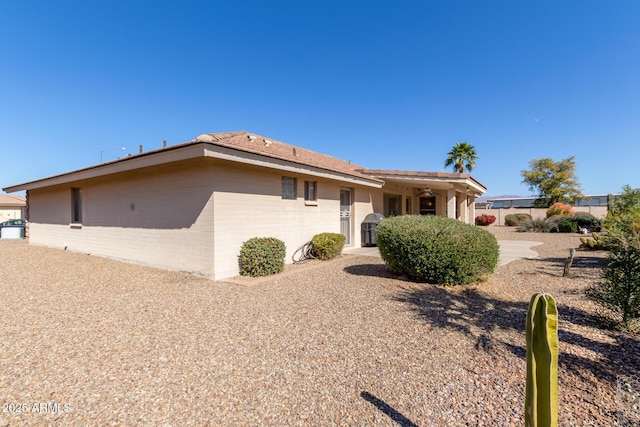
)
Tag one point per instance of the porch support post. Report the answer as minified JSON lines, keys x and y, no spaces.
{"x":451,"y":203}
{"x":472,"y":209}
{"x":461,"y":198}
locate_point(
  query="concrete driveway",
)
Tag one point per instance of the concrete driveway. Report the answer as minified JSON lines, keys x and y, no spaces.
{"x":510,"y":250}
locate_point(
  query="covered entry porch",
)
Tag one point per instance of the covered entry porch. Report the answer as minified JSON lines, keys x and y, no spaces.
{"x":428,"y":193}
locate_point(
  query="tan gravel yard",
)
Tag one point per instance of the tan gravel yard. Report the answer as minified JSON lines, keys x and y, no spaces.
{"x":91,"y":341}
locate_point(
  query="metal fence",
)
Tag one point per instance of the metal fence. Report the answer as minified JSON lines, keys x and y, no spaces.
{"x":628,"y":401}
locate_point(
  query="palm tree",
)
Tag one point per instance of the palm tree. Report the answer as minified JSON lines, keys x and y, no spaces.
{"x":462,"y":155}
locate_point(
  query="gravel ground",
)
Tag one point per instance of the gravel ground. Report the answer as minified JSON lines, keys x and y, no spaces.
{"x":91,"y":341}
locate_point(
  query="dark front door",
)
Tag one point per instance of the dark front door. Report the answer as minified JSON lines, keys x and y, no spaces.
{"x":427,"y":205}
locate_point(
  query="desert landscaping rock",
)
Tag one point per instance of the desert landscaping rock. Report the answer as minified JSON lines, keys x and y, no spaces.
{"x":343,"y":343}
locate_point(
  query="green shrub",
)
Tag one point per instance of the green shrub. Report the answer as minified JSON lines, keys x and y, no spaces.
{"x":436,"y":249}
{"x":537,"y":225}
{"x":568,"y":225}
{"x":619,"y":289}
{"x":553,"y":222}
{"x":262,"y":256}
{"x":328,"y":245}
{"x":513,"y":220}
{"x":586,"y":214}
{"x":580,"y":220}
{"x":588,"y":221}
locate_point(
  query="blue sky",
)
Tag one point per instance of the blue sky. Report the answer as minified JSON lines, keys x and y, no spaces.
{"x":385,"y":84}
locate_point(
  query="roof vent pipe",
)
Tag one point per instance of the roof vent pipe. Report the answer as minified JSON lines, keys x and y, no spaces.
{"x":164,"y":143}
{"x":140,"y":148}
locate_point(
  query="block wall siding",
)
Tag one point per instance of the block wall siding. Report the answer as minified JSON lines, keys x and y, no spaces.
{"x":163,"y":218}
{"x":50,"y":206}
{"x":248,"y":203}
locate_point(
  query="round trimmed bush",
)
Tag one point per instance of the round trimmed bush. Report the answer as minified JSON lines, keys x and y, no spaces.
{"x":485,"y":219}
{"x":328,"y":245}
{"x":537,"y":225}
{"x":262,"y":256}
{"x":559,"y":208}
{"x":579,"y":220}
{"x":514,"y":220}
{"x":588,"y":221}
{"x":436,"y":249}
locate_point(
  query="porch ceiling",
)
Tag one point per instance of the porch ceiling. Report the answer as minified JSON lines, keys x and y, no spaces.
{"x":432,"y":180}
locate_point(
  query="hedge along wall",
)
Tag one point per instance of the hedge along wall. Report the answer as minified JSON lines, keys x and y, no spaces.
{"x":538,"y":213}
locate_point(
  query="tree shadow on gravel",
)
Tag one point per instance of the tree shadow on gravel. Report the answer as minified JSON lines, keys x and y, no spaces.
{"x":582,"y":266}
{"x":472,"y":313}
{"x":462,"y":311}
{"x":372,"y":270}
{"x":388,"y":410}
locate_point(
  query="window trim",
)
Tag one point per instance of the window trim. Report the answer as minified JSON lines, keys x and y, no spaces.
{"x":285,"y":183}
{"x":311,"y":186}
{"x":76,"y":205}
{"x":386,"y":203}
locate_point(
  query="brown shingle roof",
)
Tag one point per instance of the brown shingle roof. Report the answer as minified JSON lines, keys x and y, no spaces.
{"x":247,"y":142}
{"x":253,"y":143}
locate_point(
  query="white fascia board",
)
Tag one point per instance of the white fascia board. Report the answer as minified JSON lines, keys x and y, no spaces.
{"x":475,"y":187}
{"x":417,"y":180}
{"x":123,"y":165}
{"x":238,"y":156}
{"x":436,"y":182}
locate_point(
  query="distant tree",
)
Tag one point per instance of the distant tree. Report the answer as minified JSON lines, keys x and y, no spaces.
{"x":462,"y":155}
{"x":553,"y":181}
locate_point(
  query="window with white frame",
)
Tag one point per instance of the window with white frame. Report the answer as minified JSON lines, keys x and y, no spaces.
{"x":76,"y":205}
{"x":310,"y":191}
{"x":392,"y":204}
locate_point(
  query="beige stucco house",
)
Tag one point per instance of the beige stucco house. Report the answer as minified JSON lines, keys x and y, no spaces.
{"x":189,"y":207}
{"x":12,"y":207}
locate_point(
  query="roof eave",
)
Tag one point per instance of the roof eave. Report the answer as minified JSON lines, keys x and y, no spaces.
{"x":191,"y":150}
{"x":151,"y":158}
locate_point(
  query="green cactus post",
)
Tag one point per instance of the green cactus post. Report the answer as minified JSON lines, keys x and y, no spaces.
{"x":541,"y":405}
